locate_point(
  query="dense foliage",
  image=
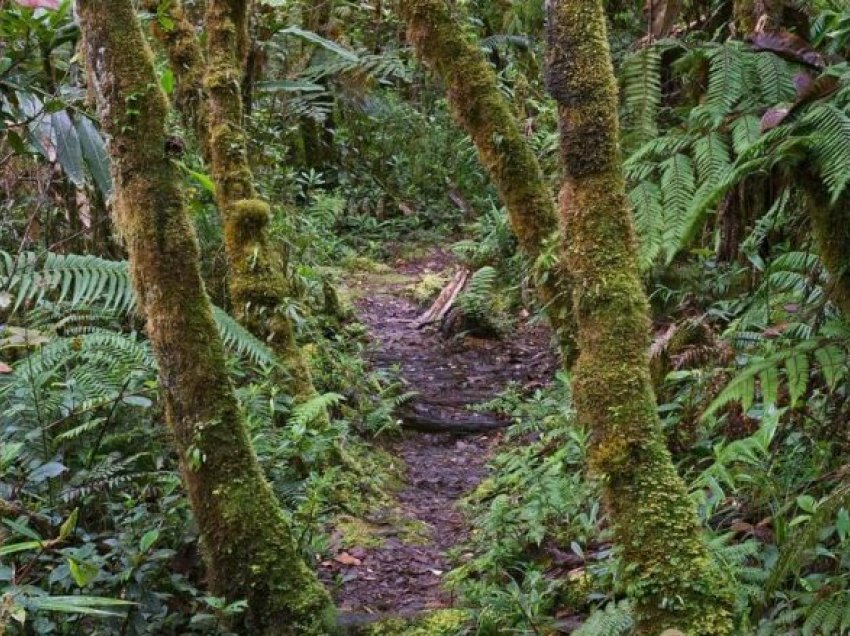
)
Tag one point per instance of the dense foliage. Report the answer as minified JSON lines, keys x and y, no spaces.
{"x":729,"y":142}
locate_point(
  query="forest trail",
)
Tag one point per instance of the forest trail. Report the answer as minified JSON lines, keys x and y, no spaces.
{"x":403,"y":576}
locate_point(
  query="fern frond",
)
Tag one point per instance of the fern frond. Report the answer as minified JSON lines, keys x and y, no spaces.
{"x":73,"y":279}
{"x":677,"y":186}
{"x":727,"y":82}
{"x":649,"y":219}
{"x":241,"y":341}
{"x":307,"y":412}
{"x":614,"y":620}
{"x":642,"y":93}
{"x":829,"y":144}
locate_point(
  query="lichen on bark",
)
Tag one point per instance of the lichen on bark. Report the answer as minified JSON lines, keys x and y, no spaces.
{"x":479,"y":106}
{"x":246,"y":540}
{"x":666,"y":566}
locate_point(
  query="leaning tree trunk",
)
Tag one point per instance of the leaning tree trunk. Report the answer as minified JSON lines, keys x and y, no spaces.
{"x":246,"y":541}
{"x":258,"y":283}
{"x":212,"y":106}
{"x":479,"y":106}
{"x":667,"y":569}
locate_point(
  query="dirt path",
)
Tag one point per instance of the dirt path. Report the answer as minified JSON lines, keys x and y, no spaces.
{"x":404,"y":576}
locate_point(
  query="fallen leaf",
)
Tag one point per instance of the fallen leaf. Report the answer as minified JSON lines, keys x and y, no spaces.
{"x":346,"y":559}
{"x":789,"y":46}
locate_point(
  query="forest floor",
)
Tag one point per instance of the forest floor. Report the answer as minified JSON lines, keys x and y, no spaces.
{"x":402,"y":573}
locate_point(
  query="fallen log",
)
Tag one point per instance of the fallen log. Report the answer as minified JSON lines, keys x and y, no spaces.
{"x":445,"y":300}
{"x":413,"y":419}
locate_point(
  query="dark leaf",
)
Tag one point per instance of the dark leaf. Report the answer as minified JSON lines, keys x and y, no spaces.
{"x":789,"y":46}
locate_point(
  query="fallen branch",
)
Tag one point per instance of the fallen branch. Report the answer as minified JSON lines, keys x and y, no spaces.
{"x":445,"y":300}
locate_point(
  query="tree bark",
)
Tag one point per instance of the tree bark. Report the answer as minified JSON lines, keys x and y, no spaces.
{"x":667,"y":570}
{"x":246,"y":541}
{"x":258,"y":283}
{"x":831,"y":229}
{"x":478,"y":105}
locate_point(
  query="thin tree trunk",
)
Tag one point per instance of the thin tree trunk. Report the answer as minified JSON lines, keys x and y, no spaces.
{"x":667,"y":569}
{"x":831,"y":229}
{"x":209,"y":97}
{"x":186,"y":59}
{"x":479,"y":106}
{"x":246,"y":541}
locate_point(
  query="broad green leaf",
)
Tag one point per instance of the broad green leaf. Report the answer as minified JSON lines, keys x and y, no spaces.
{"x":69,"y":152}
{"x":94,"y":152}
{"x":82,"y":572}
{"x":69,"y":524}
{"x":46,"y":471}
{"x":148,"y":539}
{"x":806,"y":503}
{"x":204,"y":180}
{"x":89,"y":605}
{"x":137,"y":400}
{"x":14,"y":548}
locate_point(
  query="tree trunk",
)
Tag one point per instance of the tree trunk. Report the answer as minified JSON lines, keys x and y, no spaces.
{"x":258,"y":283}
{"x":246,"y":541}
{"x":186,"y":59}
{"x":479,"y":106}
{"x":667,"y":570}
{"x":831,"y":229}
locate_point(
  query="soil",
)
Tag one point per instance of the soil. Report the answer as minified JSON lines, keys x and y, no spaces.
{"x":403,"y":577}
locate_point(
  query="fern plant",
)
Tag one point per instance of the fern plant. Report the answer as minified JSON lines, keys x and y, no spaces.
{"x":72,"y":282}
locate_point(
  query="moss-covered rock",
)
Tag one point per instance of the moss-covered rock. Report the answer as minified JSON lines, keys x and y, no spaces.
{"x":447,"y":622}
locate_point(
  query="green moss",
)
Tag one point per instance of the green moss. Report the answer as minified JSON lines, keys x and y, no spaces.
{"x":831,"y":229}
{"x":428,"y":288}
{"x":354,"y":532}
{"x":667,"y":571}
{"x":447,"y":622}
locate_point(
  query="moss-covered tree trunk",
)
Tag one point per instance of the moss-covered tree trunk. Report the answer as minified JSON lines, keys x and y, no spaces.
{"x":667,"y":570}
{"x":830,"y":223}
{"x":258,"y":285}
{"x":246,"y":541}
{"x":479,"y":106}
{"x":186,"y":58}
